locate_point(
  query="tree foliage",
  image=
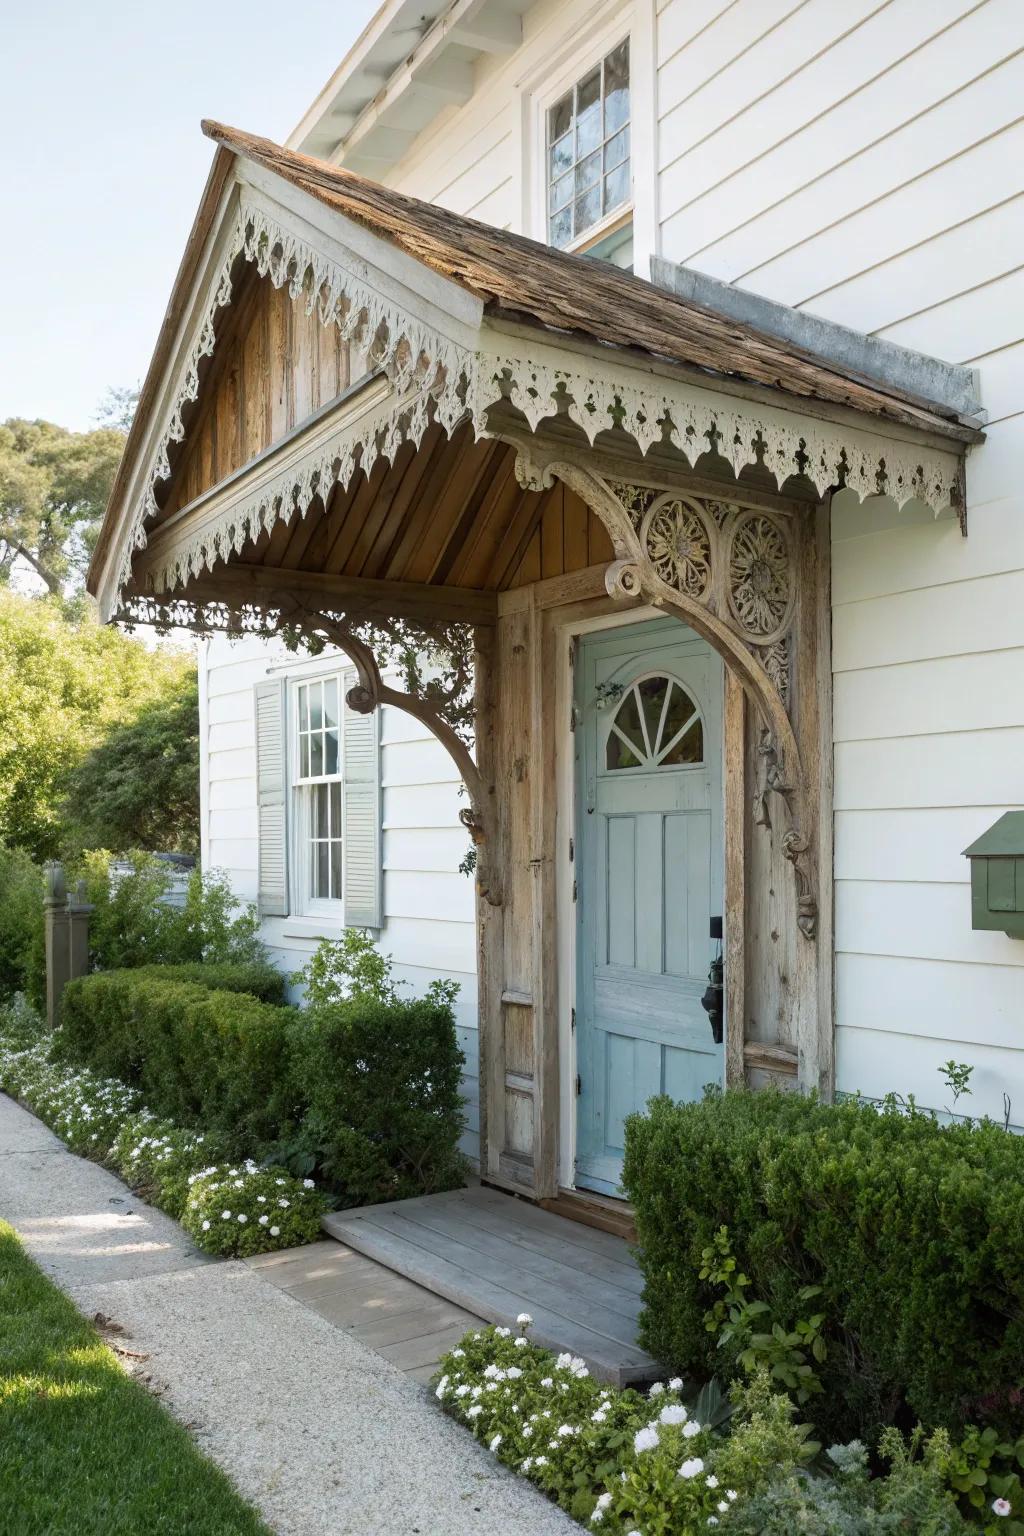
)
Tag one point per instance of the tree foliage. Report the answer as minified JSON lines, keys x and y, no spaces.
{"x":139,"y":786}
{"x":65,"y":683}
{"x":54,"y":485}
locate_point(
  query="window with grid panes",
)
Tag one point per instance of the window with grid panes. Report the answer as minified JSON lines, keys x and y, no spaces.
{"x":588,"y":149}
{"x":318,"y":785}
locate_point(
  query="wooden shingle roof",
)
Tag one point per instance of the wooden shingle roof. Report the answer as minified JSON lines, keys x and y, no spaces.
{"x":522,"y":279}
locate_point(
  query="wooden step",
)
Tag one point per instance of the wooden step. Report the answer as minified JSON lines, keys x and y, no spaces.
{"x":497,"y":1256}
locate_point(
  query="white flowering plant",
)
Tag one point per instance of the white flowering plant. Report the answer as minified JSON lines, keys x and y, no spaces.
{"x":103,"y":1119}
{"x":157,"y":1158}
{"x":617,"y":1460}
{"x":240,"y":1209}
{"x":85,"y":1110}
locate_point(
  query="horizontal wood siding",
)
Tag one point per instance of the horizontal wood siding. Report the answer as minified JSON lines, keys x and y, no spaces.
{"x":866,"y":162}
{"x":428,"y":905}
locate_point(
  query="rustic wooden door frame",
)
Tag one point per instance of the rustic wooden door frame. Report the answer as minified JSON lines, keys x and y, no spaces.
{"x":779,"y":1003}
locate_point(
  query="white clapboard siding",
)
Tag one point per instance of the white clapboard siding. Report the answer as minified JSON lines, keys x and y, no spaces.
{"x":935,"y":999}
{"x":875,"y":703}
{"x":769,"y":179}
{"x":971,"y":325}
{"x":926,"y":922}
{"x":878,"y":1062}
{"x":423,"y":841}
{"x":947,"y":768}
{"x":914,"y":625}
{"x":920,"y":844}
{"x":875,"y":178}
{"x":914,"y":554}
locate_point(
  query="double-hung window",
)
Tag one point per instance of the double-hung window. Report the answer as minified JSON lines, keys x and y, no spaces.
{"x":318,"y":791}
{"x":588,"y":154}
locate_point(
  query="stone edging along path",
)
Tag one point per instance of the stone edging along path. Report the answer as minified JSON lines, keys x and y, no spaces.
{"x":322,"y":1434}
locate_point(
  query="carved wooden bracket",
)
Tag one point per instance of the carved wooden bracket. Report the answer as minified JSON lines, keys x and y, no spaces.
{"x":371,"y":692}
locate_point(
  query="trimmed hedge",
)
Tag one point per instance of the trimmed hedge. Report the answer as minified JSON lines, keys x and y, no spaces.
{"x":262,"y":981}
{"x":217,"y":1060}
{"x":363,"y":1093}
{"x":381,"y":1080}
{"x":913,"y":1230}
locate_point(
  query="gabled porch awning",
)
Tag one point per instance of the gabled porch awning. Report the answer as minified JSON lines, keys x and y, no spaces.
{"x":337,"y":348}
{"x":369,"y":422}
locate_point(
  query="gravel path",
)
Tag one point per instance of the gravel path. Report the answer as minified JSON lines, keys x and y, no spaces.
{"x":321,"y":1433}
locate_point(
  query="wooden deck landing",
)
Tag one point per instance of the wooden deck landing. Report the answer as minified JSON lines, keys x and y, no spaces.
{"x":408,"y":1325}
{"x":496,"y":1256}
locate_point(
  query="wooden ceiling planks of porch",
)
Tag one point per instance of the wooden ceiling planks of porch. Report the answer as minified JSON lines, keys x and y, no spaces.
{"x":451,"y":514}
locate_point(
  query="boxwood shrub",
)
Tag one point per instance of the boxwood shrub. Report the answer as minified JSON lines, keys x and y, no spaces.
{"x":361,"y":1091}
{"x":261,"y":980}
{"x":218,"y":1060}
{"x":380,"y":1078}
{"x":914,"y":1231}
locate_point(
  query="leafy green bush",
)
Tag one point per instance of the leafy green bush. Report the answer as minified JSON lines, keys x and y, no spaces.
{"x":231,"y":1210}
{"x":912,"y":1232}
{"x":217,"y":1061}
{"x":239,"y":1211}
{"x":363,"y":1089}
{"x":139,"y":786}
{"x":133,"y":924}
{"x":256,"y":978}
{"x":624,"y":1463}
{"x":22,"y":950}
{"x":380,"y":1077}
{"x":911,"y":1499}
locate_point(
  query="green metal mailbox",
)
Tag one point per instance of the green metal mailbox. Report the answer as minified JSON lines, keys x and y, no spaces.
{"x":997,"y":876}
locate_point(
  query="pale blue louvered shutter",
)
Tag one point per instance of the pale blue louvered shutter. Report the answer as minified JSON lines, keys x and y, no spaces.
{"x":271,"y":798}
{"x":361,"y":791}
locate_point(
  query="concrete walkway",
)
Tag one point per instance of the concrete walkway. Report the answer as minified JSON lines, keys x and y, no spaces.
{"x":320,"y":1432}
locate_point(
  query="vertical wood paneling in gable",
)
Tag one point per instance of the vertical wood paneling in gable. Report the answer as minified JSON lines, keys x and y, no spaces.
{"x":272,"y":367}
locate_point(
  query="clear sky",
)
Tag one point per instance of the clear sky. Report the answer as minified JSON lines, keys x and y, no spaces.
{"x":102,"y":164}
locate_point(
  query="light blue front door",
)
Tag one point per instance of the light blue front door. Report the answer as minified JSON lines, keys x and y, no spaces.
{"x":648,"y":711}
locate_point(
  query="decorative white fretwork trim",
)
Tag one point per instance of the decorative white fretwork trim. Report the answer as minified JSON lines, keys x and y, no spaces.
{"x":537,"y":378}
{"x":540,"y":377}
{"x":405,"y":348}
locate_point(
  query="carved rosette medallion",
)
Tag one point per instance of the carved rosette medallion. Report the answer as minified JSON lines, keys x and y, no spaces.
{"x":678,"y":545}
{"x":760,"y":576}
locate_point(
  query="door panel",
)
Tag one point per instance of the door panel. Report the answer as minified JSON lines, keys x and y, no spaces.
{"x":648,"y":754}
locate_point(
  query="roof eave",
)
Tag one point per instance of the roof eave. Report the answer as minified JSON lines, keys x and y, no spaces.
{"x":206,"y":214}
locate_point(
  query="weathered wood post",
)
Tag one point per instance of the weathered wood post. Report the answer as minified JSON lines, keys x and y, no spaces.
{"x":66,"y":918}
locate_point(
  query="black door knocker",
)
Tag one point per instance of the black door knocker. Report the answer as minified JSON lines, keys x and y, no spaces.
{"x":712,"y":1001}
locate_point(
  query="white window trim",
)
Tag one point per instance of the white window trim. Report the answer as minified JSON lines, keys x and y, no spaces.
{"x":304,"y":905}
{"x":582,"y":47}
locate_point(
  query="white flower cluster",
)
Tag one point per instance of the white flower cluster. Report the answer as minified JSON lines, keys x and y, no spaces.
{"x":84,"y":1109}
{"x":224,"y":1198}
{"x":244,"y":1209}
{"x":549,"y":1420}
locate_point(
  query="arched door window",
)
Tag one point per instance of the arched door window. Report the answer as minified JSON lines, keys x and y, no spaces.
{"x":657,"y":725}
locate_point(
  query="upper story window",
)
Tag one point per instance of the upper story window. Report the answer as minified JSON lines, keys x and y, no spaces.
{"x":588,"y":167}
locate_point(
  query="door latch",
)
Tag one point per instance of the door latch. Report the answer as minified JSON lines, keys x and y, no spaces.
{"x":713,"y":1001}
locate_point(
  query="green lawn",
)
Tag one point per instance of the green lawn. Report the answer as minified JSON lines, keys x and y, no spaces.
{"x":85,"y":1451}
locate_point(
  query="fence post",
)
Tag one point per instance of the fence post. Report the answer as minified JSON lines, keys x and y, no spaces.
{"x":66,"y":920}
